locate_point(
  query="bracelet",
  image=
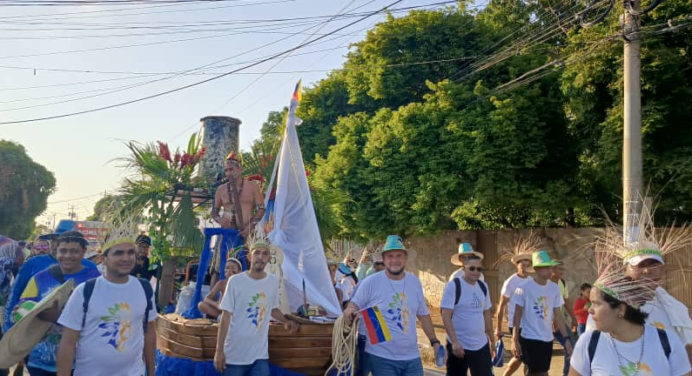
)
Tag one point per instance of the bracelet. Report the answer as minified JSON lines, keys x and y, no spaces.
{"x":434,"y":341}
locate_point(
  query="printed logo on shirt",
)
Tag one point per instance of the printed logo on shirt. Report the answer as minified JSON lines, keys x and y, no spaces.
{"x":117,"y":326}
{"x":257,"y":309}
{"x":398,"y":311}
{"x":540,"y":307}
{"x":476,"y":300}
{"x":631,"y":369}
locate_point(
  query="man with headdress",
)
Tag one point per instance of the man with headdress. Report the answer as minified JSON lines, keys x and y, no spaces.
{"x":108,"y":321}
{"x":71,"y":247}
{"x":251,"y":298}
{"x":521,"y":259}
{"x":248,"y":211}
{"x":644,"y":260}
{"x":623,"y":342}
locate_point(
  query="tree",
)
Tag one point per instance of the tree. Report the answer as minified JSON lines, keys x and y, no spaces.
{"x":24,"y":190}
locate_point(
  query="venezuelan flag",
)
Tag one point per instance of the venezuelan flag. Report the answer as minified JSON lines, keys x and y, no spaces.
{"x":298,"y":92}
{"x":375,"y":325}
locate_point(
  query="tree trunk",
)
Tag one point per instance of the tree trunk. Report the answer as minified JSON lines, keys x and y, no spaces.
{"x":167,"y":284}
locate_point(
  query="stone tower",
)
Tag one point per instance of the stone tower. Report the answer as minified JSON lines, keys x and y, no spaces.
{"x":220,"y":135}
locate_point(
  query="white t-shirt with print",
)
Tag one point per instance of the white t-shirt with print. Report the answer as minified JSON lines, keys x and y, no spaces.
{"x":459,"y":273}
{"x":113,"y":335}
{"x":539,"y":303}
{"x":399,"y":302}
{"x":251,"y":302}
{"x":606,"y":361}
{"x":468,"y":321}
{"x":508,"y":289}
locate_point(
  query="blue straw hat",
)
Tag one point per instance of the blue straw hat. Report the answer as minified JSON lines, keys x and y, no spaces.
{"x":541,"y":259}
{"x":395,"y":243}
{"x":465,"y":249}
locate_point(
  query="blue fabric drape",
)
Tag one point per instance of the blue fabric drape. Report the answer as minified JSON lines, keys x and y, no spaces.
{"x":229,"y":240}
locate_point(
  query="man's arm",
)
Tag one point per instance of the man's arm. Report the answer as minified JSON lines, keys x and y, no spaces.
{"x":68,"y":344}
{"x":570,"y":311}
{"x":350,"y":312}
{"x":516,"y":321}
{"x":150,"y":349}
{"x":488,"y":318}
{"x":559,"y":322}
{"x":224,"y":222}
{"x":258,"y":205}
{"x":501,"y":314}
{"x":220,"y":356}
{"x":289,"y":324}
{"x":457,"y":348}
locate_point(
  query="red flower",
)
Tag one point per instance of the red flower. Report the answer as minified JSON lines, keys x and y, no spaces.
{"x":186,"y":160}
{"x":307,"y":173}
{"x":176,"y":159}
{"x":164,"y":152}
{"x":201,"y":153}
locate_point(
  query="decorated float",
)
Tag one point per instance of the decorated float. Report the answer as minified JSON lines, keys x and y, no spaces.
{"x":176,"y":193}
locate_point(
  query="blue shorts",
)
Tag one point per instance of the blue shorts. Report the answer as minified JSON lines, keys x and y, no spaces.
{"x":387,"y":367}
{"x":259,"y":368}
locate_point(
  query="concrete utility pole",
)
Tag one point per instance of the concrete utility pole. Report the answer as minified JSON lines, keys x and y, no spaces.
{"x":632,"y":186}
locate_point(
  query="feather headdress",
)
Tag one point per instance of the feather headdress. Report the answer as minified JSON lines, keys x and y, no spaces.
{"x":646,"y":241}
{"x":122,"y":229}
{"x":523,"y":249}
{"x":613,"y":281}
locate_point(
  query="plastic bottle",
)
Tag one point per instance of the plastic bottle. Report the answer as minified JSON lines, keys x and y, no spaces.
{"x":440,"y":357}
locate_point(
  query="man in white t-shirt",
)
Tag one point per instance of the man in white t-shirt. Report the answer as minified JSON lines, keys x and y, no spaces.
{"x":466,"y":313}
{"x":459,"y":259}
{"x":522,"y":261}
{"x":110,"y":337}
{"x":250,"y":299}
{"x":537,"y":309}
{"x":399,"y":296}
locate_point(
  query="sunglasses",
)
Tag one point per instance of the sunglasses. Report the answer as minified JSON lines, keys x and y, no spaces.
{"x":474,"y":268}
{"x":41,"y":247}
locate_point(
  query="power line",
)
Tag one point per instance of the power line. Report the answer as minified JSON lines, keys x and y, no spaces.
{"x":160,"y":94}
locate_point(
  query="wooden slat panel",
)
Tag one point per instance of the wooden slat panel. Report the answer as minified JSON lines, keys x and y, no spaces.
{"x":185,"y":339}
{"x":289,"y":353}
{"x":322,"y":362}
{"x":305,"y":330}
{"x":300,"y":342}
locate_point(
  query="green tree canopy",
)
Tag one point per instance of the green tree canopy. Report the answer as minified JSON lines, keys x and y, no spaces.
{"x":24,"y":190}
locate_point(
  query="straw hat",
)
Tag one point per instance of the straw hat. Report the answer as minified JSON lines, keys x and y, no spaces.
{"x":18,"y":342}
{"x":395,"y":243}
{"x":465,"y":249}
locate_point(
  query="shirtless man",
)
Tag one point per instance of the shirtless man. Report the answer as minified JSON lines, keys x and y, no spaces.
{"x":251,"y":199}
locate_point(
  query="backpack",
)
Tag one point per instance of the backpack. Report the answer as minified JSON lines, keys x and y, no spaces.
{"x":662,"y":335}
{"x":89,"y":290}
{"x":457,"y":289}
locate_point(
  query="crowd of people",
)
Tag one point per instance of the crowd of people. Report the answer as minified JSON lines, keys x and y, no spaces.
{"x":636,"y":326}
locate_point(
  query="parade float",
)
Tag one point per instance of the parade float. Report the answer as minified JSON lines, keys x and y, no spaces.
{"x":176,"y":191}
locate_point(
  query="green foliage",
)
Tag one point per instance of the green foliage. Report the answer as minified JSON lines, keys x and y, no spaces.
{"x":159,"y":179}
{"x":420,"y":128}
{"x":24,"y":190}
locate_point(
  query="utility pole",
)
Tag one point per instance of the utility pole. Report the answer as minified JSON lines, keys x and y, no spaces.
{"x":632,"y":186}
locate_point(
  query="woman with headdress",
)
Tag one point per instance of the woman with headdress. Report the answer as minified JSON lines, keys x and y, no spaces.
{"x":210,"y":304}
{"x":623,"y":344}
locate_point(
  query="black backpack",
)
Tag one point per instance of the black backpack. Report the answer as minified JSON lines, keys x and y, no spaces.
{"x":457,"y":289}
{"x":596,"y":335}
{"x":89,"y":290}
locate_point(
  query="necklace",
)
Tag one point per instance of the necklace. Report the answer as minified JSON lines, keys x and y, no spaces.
{"x":622,"y":360}
{"x":392,"y":286}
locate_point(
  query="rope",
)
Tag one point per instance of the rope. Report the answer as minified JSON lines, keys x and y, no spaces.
{"x":344,"y":342}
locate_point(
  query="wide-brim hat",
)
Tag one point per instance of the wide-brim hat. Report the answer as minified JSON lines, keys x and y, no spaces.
{"x":465,"y":249}
{"x":541,"y":259}
{"x":395,"y":243}
{"x":643,"y":251}
{"x":520,"y":257}
{"x":18,"y":342}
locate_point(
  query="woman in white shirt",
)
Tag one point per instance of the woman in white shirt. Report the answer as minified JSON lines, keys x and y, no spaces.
{"x":622,"y":343}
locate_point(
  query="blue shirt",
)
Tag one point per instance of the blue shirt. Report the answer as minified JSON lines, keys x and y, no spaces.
{"x":30,"y":268}
{"x":41,"y":285}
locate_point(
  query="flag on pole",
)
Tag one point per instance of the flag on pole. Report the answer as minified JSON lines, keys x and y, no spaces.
{"x":293,"y":224}
{"x":298,"y":92}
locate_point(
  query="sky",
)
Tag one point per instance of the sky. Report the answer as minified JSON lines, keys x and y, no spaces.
{"x":57,"y":60}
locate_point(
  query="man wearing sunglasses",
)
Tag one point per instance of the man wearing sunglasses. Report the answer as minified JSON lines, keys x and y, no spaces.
{"x":466,"y":313}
